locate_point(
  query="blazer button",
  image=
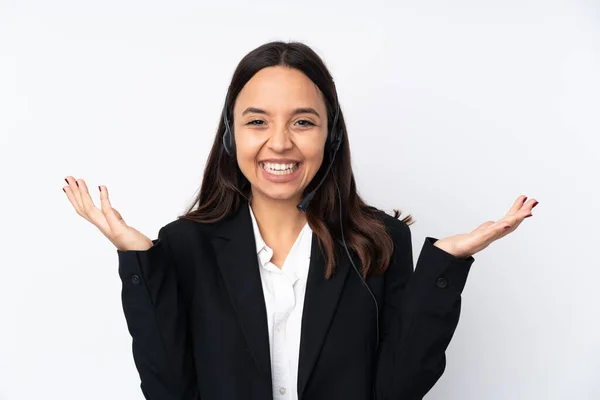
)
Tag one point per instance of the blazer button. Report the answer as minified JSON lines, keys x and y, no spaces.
{"x":135,"y":280}
{"x":441,"y":282}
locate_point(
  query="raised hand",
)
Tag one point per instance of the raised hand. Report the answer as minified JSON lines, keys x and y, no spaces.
{"x":107,"y":219}
{"x":465,"y":245}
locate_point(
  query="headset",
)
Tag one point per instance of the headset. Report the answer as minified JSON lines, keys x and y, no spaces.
{"x":334,"y":140}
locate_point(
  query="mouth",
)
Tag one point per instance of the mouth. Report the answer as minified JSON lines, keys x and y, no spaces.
{"x":281,"y":173}
{"x":280,"y":169}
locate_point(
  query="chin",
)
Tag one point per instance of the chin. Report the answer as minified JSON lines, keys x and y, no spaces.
{"x":281,"y":195}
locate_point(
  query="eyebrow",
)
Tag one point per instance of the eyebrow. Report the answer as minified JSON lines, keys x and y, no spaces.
{"x":301,"y":110}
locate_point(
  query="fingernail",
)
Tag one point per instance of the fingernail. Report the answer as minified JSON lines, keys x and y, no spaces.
{"x":99,"y":188}
{"x":527,"y":216}
{"x":77,"y":183}
{"x":64,"y":190}
{"x":536,"y":203}
{"x":506,"y":227}
{"x":525,"y":199}
{"x":66,"y":181}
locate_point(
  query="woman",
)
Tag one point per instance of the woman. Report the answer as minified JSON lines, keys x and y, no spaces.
{"x":280,"y":282}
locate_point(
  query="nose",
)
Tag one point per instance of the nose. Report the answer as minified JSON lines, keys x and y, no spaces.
{"x":280,"y":139}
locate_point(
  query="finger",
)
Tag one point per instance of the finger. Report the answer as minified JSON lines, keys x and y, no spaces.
{"x":517,"y":205}
{"x":524,"y":212}
{"x":113,"y":217}
{"x":496,"y":230}
{"x":511,"y":220}
{"x":510,"y":225}
{"x":518,"y":212}
{"x":74,"y":185}
{"x":73,"y":199}
{"x":529,"y":205}
{"x":86,"y":199}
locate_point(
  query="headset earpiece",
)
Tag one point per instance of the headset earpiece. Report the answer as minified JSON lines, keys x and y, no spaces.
{"x":335,"y":137}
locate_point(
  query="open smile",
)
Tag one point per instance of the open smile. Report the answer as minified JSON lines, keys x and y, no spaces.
{"x":281,"y":173}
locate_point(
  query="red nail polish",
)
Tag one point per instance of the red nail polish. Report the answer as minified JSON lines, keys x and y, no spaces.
{"x":506,"y":227}
{"x":527,"y":216}
{"x":536,"y":203}
{"x":77,"y":183}
{"x":64,"y":190}
{"x":99,"y":188}
{"x":66,"y":181}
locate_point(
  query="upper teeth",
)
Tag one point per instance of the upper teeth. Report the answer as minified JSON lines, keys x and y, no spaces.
{"x":279,"y":167}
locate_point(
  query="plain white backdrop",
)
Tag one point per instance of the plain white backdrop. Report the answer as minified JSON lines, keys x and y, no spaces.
{"x":453,"y":109}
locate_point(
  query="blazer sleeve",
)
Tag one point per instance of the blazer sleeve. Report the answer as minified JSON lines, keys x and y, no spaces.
{"x":420,"y":313}
{"x":157,"y":320}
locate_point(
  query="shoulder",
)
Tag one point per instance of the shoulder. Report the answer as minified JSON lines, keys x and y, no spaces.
{"x":183,"y":226}
{"x":400,"y":267}
{"x":182,"y":234}
{"x":396,"y":227}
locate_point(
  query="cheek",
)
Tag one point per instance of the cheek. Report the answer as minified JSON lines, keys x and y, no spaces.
{"x":246,"y":153}
{"x":313,"y":148}
{"x":313,"y":158}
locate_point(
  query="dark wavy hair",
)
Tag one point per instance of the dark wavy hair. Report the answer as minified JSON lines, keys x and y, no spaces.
{"x":224,"y":188}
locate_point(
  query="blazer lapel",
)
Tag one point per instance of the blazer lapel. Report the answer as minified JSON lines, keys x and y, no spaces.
{"x":235,"y":251}
{"x":320,"y":302}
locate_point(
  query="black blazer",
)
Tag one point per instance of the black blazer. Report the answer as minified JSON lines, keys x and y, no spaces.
{"x":195,"y":309}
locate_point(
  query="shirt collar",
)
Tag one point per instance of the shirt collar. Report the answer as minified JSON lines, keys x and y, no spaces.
{"x":264,"y":252}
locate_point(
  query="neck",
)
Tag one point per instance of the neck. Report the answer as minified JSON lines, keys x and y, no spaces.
{"x":277,"y":219}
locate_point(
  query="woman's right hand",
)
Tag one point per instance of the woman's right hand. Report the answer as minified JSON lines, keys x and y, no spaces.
{"x":107,"y":219}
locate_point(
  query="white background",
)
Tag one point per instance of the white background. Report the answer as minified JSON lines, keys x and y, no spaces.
{"x":453,"y":108}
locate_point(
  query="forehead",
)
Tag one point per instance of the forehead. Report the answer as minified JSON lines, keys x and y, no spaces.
{"x":279,"y":88}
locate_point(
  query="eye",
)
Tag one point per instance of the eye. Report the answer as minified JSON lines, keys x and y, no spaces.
{"x":255,"y":120}
{"x":308,"y":123}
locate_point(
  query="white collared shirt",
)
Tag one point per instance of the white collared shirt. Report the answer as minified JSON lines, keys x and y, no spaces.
{"x":284,"y":298}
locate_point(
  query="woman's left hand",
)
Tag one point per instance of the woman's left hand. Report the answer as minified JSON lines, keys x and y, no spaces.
{"x":465,"y":245}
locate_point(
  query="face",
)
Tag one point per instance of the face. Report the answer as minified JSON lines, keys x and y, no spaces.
{"x":280,"y":129}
